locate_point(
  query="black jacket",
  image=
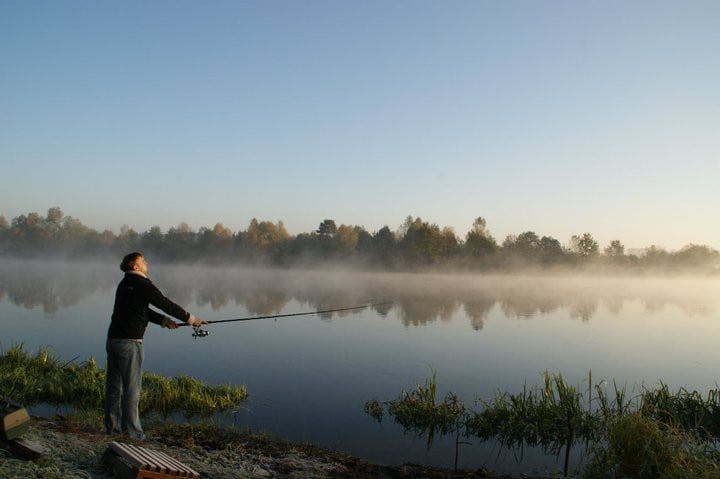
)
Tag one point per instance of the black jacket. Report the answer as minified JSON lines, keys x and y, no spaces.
{"x":132,"y":313}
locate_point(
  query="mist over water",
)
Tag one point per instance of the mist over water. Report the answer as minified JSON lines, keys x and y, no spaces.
{"x":309,"y":376}
{"x":419,"y":297}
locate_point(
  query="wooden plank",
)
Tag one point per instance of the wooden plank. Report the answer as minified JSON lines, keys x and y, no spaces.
{"x":23,"y":448}
{"x":188,"y":471}
{"x":158,"y":458}
{"x":120,"y":468}
{"x":166,"y":463}
{"x":139,"y":461}
{"x":121,"y":450}
{"x":174,"y":464}
{"x":147,"y":463}
{"x":153,"y":475}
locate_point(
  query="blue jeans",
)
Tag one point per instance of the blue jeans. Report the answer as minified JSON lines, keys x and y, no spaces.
{"x":122,"y":387}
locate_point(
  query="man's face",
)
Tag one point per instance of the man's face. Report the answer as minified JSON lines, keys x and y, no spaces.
{"x":141,"y":265}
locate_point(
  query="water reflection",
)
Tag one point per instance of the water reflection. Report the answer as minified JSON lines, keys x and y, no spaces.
{"x":51,"y":286}
{"x":420,"y":299}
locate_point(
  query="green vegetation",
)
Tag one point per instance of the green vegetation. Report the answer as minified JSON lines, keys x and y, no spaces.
{"x":639,"y":447}
{"x":43,"y":378}
{"x":551,"y":417}
{"x":419,"y":411}
{"x":657,"y":434}
{"x":415,"y":244}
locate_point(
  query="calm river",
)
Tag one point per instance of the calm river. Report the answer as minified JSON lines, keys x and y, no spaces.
{"x":309,"y":376}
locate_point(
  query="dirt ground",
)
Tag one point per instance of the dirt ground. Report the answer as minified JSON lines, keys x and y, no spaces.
{"x":74,"y":451}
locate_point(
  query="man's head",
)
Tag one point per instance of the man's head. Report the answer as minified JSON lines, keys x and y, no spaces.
{"x":134,"y":262}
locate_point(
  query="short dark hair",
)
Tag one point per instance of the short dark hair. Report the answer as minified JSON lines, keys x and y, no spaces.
{"x":128,"y":261}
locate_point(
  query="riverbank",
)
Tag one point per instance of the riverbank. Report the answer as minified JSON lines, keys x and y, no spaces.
{"x":74,"y":451}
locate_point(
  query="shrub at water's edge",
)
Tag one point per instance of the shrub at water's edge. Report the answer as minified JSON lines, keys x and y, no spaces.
{"x":43,"y":378}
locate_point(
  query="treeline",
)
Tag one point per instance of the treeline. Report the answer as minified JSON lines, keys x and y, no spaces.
{"x":416,"y":244}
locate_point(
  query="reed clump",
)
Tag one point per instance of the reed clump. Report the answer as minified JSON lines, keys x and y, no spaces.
{"x":688,"y":410}
{"x":417,"y":410}
{"x":552,"y":416}
{"x":43,"y":378}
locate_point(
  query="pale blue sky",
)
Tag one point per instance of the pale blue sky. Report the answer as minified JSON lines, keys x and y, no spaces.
{"x":560,"y":117}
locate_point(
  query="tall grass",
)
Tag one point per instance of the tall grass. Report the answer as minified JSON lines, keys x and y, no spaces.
{"x":639,"y":447}
{"x":43,"y":378}
{"x":419,"y":411}
{"x":553,"y":416}
{"x":688,"y":410}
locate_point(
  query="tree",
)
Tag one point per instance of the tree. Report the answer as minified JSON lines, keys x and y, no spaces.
{"x":383,"y":246}
{"x":478,"y":242}
{"x":551,"y":251}
{"x":527,"y":242}
{"x":30,"y":234}
{"x":347,"y":238}
{"x":152,"y":241}
{"x":327,"y":228}
{"x":521,"y":250}
{"x":54,"y":215}
{"x":216,"y":243}
{"x":524,"y":245}
{"x":180,"y":242}
{"x":479,"y":227}
{"x":699,"y":257}
{"x":53,"y":226}
{"x":326,"y":238}
{"x":4,"y":228}
{"x":585,"y":246}
{"x":127,"y":240}
{"x":364,"y":242}
{"x":425,"y":243}
{"x":96,"y":243}
{"x":656,"y":257}
{"x":615,"y":249}
{"x":263,"y":239}
{"x":75,"y":234}
{"x":449,"y":245}
{"x":268,"y":234}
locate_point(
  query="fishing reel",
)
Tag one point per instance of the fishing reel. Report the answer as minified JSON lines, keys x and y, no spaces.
{"x":199,"y":332}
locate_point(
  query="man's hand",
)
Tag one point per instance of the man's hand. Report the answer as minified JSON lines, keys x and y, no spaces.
{"x":169,"y":323}
{"x":195,"y":321}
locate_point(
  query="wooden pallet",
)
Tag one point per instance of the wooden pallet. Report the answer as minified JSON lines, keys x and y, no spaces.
{"x":128,"y":461}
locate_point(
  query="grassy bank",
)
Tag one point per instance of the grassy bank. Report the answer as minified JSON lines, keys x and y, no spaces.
{"x":43,"y":378}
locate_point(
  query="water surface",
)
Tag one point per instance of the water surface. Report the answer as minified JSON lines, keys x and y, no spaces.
{"x":310,"y":376}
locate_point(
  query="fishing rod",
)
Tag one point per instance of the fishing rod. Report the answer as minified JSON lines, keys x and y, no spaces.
{"x":201,"y":333}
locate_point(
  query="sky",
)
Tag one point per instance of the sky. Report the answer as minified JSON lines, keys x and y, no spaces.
{"x":558,"y":117}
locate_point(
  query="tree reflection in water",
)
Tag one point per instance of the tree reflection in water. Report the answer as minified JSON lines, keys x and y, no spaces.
{"x":418,"y":299}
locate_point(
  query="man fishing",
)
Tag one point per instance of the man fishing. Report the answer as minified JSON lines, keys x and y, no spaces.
{"x":124,"y":346}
